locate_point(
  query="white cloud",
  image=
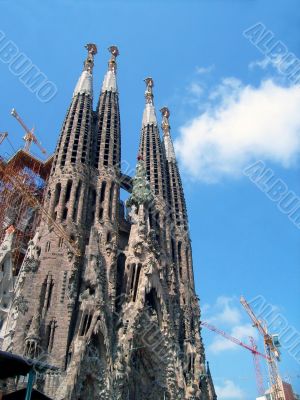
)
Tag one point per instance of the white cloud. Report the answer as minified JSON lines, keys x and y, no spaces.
{"x":263,"y":63}
{"x":204,"y":70}
{"x":244,"y":123}
{"x":229,"y":390}
{"x":223,"y":311}
{"x":195,"y":89}
{"x":285,"y":66}
{"x":240,"y":332}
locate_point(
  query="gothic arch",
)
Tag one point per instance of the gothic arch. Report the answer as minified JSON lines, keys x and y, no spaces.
{"x":152,"y":301}
{"x":120,"y":284}
{"x":148,"y":368}
{"x":92,"y":370}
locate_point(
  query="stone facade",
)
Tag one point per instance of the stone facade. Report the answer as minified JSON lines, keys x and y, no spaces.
{"x":119,"y":317}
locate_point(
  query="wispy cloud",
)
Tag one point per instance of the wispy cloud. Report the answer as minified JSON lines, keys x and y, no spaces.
{"x":204,"y":70}
{"x":263,"y":63}
{"x":225,"y":314}
{"x":195,"y":89}
{"x":223,"y":311}
{"x":243,"y":123}
{"x":240,"y":332}
{"x":229,"y":390}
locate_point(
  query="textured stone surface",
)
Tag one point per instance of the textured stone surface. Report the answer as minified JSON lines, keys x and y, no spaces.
{"x":121,"y":321}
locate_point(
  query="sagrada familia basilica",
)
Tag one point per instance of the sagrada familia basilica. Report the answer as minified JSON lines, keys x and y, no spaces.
{"x":110,"y":302}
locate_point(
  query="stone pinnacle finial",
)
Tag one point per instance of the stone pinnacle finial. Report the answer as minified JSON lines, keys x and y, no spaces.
{"x":34,"y":326}
{"x":110,"y":80}
{"x":141,"y":190}
{"x":112,"y":65}
{"x":149,"y":90}
{"x":168,"y":144}
{"x":165,"y":125}
{"x":89,"y":62}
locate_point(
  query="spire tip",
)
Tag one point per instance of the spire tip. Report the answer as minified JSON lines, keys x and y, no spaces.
{"x":149,"y":90}
{"x":91,"y":48}
{"x":114,"y":51}
{"x":89,"y":62}
{"x":165,"y":112}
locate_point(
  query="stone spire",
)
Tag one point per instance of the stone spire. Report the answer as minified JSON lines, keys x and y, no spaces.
{"x":85,"y":82}
{"x":150,"y":144}
{"x":174,"y":185}
{"x":122,"y":320}
{"x":32,"y":339}
{"x":74,"y":144}
{"x":110,"y":80}
{"x":210,"y":384}
{"x":107,"y":141}
{"x":168,"y":144}
{"x":149,"y":116}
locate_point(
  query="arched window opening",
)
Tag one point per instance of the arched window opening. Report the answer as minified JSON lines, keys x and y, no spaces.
{"x":187,"y":262}
{"x":50,"y":332}
{"x":182,"y":334}
{"x":56,"y":197}
{"x":111,"y":196}
{"x":85,"y":324}
{"x":153,"y":303}
{"x":92,"y":203}
{"x":102,"y":192}
{"x":68,"y":191}
{"x":136,"y":283}
{"x":173,"y":250}
{"x":108,"y":237}
{"x":120,"y":280}
{"x":76,"y":201}
{"x":179,"y":258}
{"x":133,"y":267}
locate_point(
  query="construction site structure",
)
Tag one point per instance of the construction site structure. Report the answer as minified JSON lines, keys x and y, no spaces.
{"x":253,"y":349}
{"x":19,"y":218}
{"x":272,"y":352}
{"x":286,"y":391}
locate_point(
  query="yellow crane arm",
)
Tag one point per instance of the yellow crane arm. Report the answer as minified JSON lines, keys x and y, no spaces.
{"x":253,"y":317}
{"x":30,"y":136}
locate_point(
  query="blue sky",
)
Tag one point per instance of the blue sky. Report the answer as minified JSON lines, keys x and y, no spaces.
{"x":229,"y":108}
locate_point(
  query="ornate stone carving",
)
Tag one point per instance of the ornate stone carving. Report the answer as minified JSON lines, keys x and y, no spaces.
{"x":21,"y":304}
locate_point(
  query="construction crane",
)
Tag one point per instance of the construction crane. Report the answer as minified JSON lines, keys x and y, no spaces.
{"x":271,"y":350}
{"x":29,"y":135}
{"x":253,"y":348}
{"x":258,"y":373}
{"x":3,"y":135}
{"x":32,"y":201}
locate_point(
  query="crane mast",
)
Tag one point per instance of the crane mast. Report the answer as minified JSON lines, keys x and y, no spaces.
{"x":272,"y":352}
{"x":258,"y":373}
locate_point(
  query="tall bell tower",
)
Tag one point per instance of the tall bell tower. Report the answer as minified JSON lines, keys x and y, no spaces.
{"x":108,"y":296}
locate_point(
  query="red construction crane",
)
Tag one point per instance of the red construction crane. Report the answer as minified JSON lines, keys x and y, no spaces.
{"x":271,"y":348}
{"x":258,"y":373}
{"x":29,"y":135}
{"x":256,"y":354}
